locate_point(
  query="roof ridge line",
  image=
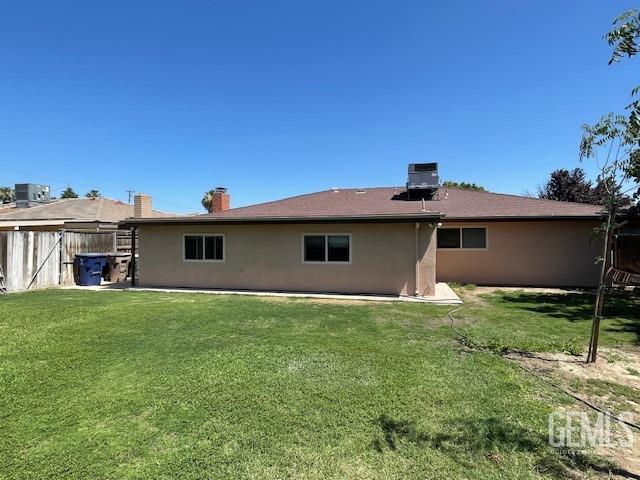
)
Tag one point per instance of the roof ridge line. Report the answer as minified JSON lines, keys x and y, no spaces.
{"x":305,"y":195}
{"x":526,"y":197}
{"x":273,"y":201}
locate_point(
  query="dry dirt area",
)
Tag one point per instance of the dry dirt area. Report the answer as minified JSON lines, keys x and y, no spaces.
{"x":472,"y":294}
{"x":476,"y":291}
{"x":613,"y":384}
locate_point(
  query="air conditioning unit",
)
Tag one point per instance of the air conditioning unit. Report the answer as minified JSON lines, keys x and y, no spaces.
{"x":28,"y":194}
{"x":422,"y":181}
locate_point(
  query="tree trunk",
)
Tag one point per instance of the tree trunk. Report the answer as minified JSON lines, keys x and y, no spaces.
{"x":606,"y":263}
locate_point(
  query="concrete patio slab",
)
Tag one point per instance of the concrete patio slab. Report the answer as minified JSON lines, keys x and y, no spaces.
{"x":444,"y":295}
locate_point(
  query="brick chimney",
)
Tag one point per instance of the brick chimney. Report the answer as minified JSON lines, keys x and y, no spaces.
{"x":141,"y":205}
{"x":220,"y":200}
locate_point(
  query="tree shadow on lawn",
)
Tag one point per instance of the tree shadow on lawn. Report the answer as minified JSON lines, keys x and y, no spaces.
{"x":488,"y":437}
{"x":622,"y":310}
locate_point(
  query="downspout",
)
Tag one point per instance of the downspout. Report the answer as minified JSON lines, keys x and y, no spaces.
{"x":416,"y":250}
{"x":133,"y":257}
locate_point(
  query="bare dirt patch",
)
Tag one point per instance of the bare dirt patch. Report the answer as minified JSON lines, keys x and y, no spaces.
{"x":612,"y":383}
{"x":555,"y":291}
{"x":336,"y":301}
{"x":325,"y":301}
{"x":471,"y":296}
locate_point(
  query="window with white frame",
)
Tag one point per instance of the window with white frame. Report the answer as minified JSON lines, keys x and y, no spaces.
{"x":326,"y":248}
{"x":472,"y":238}
{"x":206,"y":248}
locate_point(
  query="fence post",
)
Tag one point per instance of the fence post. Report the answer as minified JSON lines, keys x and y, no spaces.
{"x":61,"y":258}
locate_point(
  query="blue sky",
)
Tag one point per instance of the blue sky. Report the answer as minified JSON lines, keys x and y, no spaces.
{"x":277,"y":98}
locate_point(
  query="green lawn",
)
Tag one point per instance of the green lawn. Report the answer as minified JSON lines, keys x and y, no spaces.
{"x":152,"y":385}
{"x":550,"y":322}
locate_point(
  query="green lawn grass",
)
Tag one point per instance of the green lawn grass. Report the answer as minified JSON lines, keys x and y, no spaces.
{"x":154,"y":385}
{"x":550,"y":322}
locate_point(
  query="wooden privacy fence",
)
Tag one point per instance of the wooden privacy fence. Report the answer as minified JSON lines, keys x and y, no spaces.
{"x":627,"y":252}
{"x":45,"y":259}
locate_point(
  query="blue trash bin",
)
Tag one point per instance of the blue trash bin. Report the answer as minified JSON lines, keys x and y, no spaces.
{"x":89,"y":267}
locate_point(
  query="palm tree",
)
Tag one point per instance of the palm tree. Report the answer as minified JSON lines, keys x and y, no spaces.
{"x":69,"y":193}
{"x":207,"y":199}
{"x":7,"y":195}
{"x":93,"y":194}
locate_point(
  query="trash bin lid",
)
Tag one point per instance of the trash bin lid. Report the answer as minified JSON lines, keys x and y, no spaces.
{"x":91,"y":255}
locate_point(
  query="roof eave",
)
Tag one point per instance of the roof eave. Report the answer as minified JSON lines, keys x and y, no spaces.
{"x":204,"y":219}
{"x":30,"y":223}
{"x":524,"y":218}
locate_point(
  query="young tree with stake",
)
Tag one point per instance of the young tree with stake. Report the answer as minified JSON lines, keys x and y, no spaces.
{"x":618,"y":138}
{"x":611,"y":136}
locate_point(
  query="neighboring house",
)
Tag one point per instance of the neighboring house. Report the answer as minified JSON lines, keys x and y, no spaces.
{"x":88,"y":214}
{"x":391,"y":240}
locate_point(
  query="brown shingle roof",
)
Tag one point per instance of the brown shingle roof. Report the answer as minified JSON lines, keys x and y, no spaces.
{"x":100,"y":209}
{"x":390,"y":202}
{"x":450,"y":202}
{"x":468,"y":204}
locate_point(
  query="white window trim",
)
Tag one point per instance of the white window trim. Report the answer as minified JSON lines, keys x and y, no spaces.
{"x":204,"y":260}
{"x":461,"y":248}
{"x":326,"y":248}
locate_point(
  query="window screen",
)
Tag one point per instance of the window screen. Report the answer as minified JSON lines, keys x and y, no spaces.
{"x":474,"y":238}
{"x":449,"y":238}
{"x":193,"y":247}
{"x":338,"y":248}
{"x":465,"y":237}
{"x":213,"y":248}
{"x":314,"y":248}
{"x":327,"y":248}
{"x":204,"y":247}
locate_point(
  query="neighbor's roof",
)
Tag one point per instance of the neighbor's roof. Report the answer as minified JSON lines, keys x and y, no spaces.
{"x":391,"y":203}
{"x":100,"y":209}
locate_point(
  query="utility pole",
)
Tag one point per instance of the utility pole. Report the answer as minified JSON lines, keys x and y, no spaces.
{"x":130,"y":192}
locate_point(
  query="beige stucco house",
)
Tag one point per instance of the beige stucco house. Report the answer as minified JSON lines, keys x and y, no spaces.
{"x":372,"y":241}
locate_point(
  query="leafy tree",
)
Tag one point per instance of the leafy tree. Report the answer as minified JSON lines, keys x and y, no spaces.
{"x":567,"y":186}
{"x":69,"y":193}
{"x":464,"y":186}
{"x":207,"y":200}
{"x":573,"y":186}
{"x":610,"y":138}
{"x":7,"y":195}
{"x":600,"y":191}
{"x":624,"y":37}
{"x":614,"y":143}
{"x":93,"y":194}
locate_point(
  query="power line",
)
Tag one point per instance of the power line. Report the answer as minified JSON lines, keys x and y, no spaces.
{"x":159,"y":200}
